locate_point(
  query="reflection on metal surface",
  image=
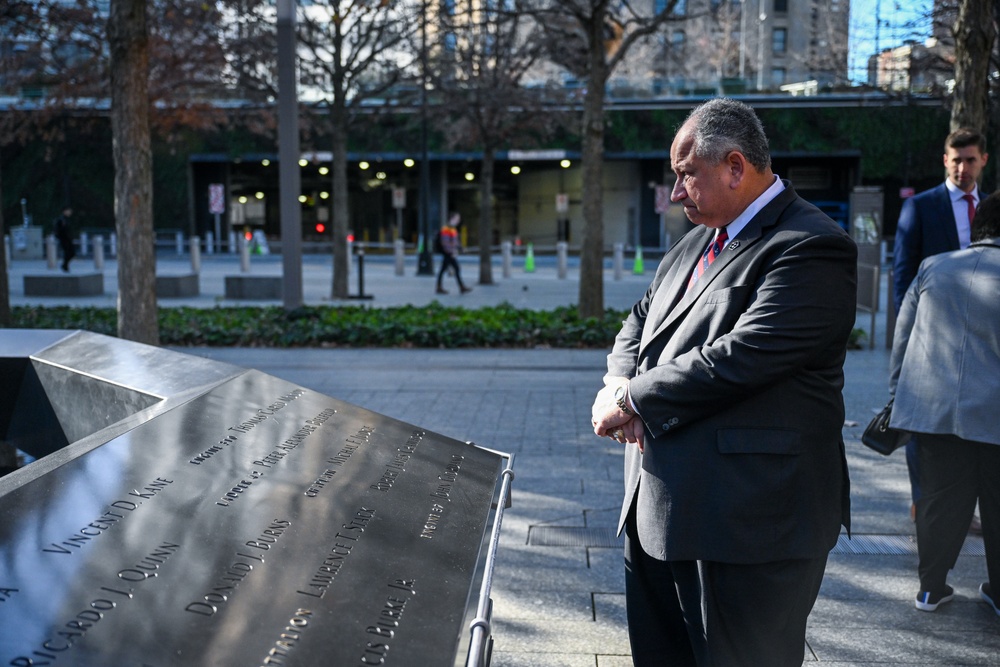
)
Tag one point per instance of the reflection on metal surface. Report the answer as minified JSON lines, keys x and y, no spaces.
{"x":241,"y":520}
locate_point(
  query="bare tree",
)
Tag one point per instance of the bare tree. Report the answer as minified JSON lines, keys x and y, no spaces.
{"x":477,"y":77}
{"x":975,"y":37}
{"x":354,"y":51}
{"x":71,"y":57}
{"x":590,"y":38}
{"x":37,"y":44}
{"x":128,"y":39}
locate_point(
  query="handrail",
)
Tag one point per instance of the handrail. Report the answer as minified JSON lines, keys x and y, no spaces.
{"x":480,"y":626}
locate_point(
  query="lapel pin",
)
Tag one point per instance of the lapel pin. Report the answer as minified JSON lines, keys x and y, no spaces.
{"x":734,"y":245}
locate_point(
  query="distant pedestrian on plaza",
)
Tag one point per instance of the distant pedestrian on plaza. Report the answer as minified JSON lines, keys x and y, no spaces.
{"x":935,"y":221}
{"x":448,"y":245}
{"x":945,"y":376}
{"x":64,"y":234}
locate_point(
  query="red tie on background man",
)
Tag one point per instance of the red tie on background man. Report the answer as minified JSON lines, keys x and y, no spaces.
{"x":711,"y":252}
{"x":972,"y":206}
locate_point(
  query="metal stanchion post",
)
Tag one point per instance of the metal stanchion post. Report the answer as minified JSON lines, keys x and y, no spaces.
{"x":244,"y":254}
{"x":400,"y":256}
{"x":98,"y":252}
{"x":619,"y":260}
{"x":361,"y":274}
{"x":195,"y":244}
{"x":50,"y":251}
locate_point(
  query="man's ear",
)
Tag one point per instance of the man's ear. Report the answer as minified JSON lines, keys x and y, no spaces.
{"x":736,"y":164}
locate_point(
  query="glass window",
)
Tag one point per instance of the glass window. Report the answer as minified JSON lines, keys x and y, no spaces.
{"x":780,"y":6}
{"x":777,"y":76}
{"x":779,"y":40}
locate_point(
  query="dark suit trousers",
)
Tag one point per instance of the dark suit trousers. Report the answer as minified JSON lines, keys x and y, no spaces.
{"x":954,"y":474}
{"x":709,"y":614}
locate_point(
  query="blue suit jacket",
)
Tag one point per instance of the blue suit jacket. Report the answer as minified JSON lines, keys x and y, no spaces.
{"x":926,"y":227}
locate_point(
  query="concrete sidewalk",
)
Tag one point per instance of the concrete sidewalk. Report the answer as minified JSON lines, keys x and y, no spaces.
{"x":559,"y":588}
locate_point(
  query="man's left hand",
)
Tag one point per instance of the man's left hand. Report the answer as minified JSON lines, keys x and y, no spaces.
{"x":609,"y":421}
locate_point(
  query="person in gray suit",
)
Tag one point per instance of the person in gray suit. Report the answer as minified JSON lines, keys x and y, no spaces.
{"x":935,"y":221}
{"x":724,"y":386}
{"x":944,"y":372}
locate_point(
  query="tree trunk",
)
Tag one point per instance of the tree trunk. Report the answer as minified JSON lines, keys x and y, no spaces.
{"x":338,"y":117}
{"x":591,"y":296}
{"x":974,"y":33}
{"x":5,"y":319}
{"x":128,"y":39}
{"x":486,"y":217}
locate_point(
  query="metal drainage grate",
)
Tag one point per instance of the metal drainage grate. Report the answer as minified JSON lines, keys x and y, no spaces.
{"x":860,"y":545}
{"x":573,"y":536}
{"x":896,"y":545}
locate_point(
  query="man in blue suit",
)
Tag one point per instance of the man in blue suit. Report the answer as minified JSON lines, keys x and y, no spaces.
{"x":935,"y":221}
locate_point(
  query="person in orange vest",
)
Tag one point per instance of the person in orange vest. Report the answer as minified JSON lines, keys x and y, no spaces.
{"x":446,"y":242}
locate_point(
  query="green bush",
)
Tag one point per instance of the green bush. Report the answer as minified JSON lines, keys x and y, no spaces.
{"x":355,"y":326}
{"x":347,"y":326}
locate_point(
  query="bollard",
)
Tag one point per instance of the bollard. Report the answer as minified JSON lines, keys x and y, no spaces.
{"x":400,"y":256}
{"x":50,"y":251}
{"x":179,"y":241}
{"x":506,"y":252}
{"x":84,"y":243}
{"x":361,"y":274}
{"x":529,"y":259}
{"x":195,"y":244}
{"x":350,"y":255}
{"x":619,"y":260}
{"x":113,"y":245}
{"x":562,"y":248}
{"x":638,"y":268}
{"x":210,"y":244}
{"x":232,"y":243}
{"x":244,"y":253}
{"x":98,"y":252}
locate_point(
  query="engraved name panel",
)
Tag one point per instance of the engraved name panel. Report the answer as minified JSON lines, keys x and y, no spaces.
{"x":258,"y":524}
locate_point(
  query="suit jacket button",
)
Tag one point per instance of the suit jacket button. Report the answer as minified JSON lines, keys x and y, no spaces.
{"x":674,"y":421}
{"x":666,"y":427}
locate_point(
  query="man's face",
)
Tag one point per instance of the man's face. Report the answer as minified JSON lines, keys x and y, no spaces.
{"x":964,"y":166}
{"x":702,"y":187}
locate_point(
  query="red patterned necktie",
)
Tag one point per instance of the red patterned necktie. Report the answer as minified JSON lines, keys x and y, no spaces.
{"x":971,"y":201}
{"x":711,"y":252}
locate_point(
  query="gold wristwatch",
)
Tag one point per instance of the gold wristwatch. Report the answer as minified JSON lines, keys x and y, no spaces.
{"x":621,"y":398}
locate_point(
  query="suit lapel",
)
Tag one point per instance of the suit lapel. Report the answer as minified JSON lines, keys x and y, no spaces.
{"x":671,"y":288}
{"x":663,"y":319}
{"x":948,"y":213}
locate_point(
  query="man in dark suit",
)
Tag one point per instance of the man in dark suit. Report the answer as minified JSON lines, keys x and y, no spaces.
{"x":725,"y":386}
{"x":935,"y":221}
